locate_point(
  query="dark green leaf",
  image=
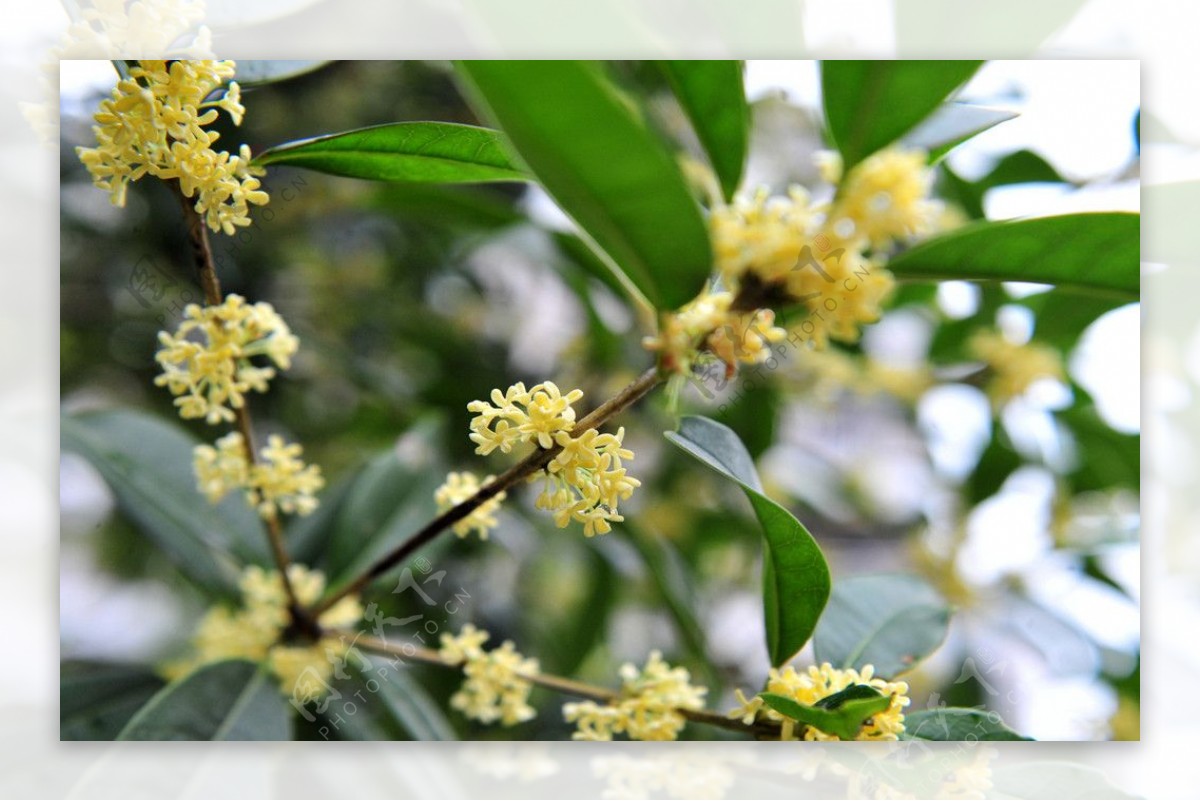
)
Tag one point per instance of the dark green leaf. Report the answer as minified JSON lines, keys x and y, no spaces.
{"x":254,"y":73}
{"x":566,"y":636}
{"x":605,"y":169}
{"x":844,"y":719}
{"x":889,"y":621}
{"x":795,"y":575}
{"x":96,"y":700}
{"x":148,"y":464}
{"x":1106,"y":458}
{"x":1095,"y":253}
{"x":951,"y":125}
{"x":949,"y":724}
{"x":407,"y":152}
{"x":997,"y":462}
{"x":713,"y":95}
{"x":393,"y":696}
{"x":1063,"y":316}
{"x":870,"y":104}
{"x":234,"y":700}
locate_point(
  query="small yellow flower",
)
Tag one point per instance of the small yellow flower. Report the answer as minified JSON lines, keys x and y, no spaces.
{"x":496,"y":686}
{"x":457,"y":488}
{"x":1014,"y":367}
{"x":206,"y":362}
{"x":648,"y":706}
{"x":254,"y":631}
{"x":279,"y":482}
{"x":884,"y":198}
{"x":818,"y":682}
{"x":154,"y":125}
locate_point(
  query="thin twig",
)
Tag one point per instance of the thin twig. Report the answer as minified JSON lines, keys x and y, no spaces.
{"x":211,"y":284}
{"x":517,"y":473}
{"x":572,"y":687}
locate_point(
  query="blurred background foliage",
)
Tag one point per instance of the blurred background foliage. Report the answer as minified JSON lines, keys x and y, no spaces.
{"x":411,"y":301}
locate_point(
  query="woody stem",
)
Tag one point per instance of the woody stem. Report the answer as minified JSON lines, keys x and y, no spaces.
{"x":211,"y":285}
{"x":517,"y":473}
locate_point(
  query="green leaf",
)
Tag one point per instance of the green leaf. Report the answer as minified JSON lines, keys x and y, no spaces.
{"x":407,"y":152}
{"x":148,"y":465}
{"x":395,"y":701}
{"x":951,"y":125}
{"x":1019,"y":167}
{"x":889,"y":621}
{"x":870,"y":104}
{"x":233,"y":700}
{"x":603,"y":167}
{"x":1062,"y":316}
{"x":96,"y":699}
{"x":567,"y":635}
{"x":842,"y":716}
{"x":950,"y":724}
{"x":255,"y":73}
{"x":795,"y":575}
{"x":1094,"y":253}
{"x":1045,"y":779}
{"x":713,"y":95}
{"x":1106,"y":458}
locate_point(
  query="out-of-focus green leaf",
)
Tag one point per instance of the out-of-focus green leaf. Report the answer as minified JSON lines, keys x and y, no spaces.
{"x":395,"y":700}
{"x":951,"y":724}
{"x":148,"y":464}
{"x":951,"y":125}
{"x":308,"y":537}
{"x":1093,"y":253}
{"x":605,"y":169}
{"x":566,"y":636}
{"x":406,"y":152}
{"x":96,"y":699}
{"x":233,"y":700}
{"x":795,"y":575}
{"x":870,"y":104}
{"x":1045,"y":779}
{"x":1062,"y":317}
{"x":1019,"y":167}
{"x":453,"y":206}
{"x":1106,"y":458}
{"x":841,"y":714}
{"x":713,"y":95}
{"x":255,"y":73}
{"x":997,"y":462}
{"x":889,"y":621}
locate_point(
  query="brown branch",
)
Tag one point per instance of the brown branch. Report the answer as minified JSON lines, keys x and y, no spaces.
{"x":759,"y":730}
{"x":197,"y":230}
{"x":517,"y":473}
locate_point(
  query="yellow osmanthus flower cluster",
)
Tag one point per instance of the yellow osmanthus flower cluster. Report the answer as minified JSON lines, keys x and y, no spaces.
{"x":457,"y":488}
{"x":1014,"y":367}
{"x":826,"y":259}
{"x":154,"y":125}
{"x":254,"y":631}
{"x":817,"y":683}
{"x":496,"y":687}
{"x":648,"y":707}
{"x":206,"y":362}
{"x":279,"y":482}
{"x":586,"y":480}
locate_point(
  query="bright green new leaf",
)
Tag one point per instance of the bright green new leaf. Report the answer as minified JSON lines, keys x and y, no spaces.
{"x":889,"y":621}
{"x":409,"y":152}
{"x":842,"y":716}
{"x":148,"y":465}
{"x":795,"y":575}
{"x":953,"y":724}
{"x":713,"y":95}
{"x":605,"y":169}
{"x":233,"y":700}
{"x":870,"y":104}
{"x":1094,"y":253}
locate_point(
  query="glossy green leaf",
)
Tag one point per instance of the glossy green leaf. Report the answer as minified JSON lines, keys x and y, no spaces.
{"x":406,"y":152}
{"x":795,"y":575}
{"x":254,"y":73}
{"x":96,"y":699}
{"x":713,"y":95}
{"x":395,"y":705}
{"x":233,"y":700}
{"x":148,"y":465}
{"x":1094,"y":253}
{"x":889,"y":621}
{"x":842,"y":716}
{"x":949,"y":724}
{"x":870,"y":104}
{"x":951,"y":125}
{"x":604,"y":168}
